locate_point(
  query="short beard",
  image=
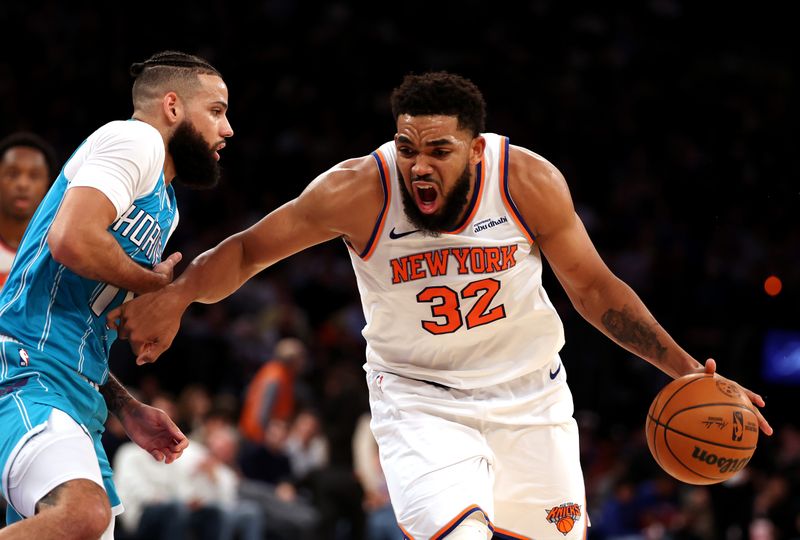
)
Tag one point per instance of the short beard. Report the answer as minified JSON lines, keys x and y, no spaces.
{"x":447,"y":218}
{"x":195,"y":166}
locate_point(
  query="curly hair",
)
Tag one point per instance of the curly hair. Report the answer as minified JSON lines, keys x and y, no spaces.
{"x":441,"y":93}
{"x":167,"y":71}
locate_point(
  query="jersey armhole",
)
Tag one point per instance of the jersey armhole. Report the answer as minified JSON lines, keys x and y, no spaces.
{"x":383,"y":169}
{"x":506,"y":193}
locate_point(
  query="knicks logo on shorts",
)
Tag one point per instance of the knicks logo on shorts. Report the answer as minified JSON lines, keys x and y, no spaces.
{"x":564,"y":516}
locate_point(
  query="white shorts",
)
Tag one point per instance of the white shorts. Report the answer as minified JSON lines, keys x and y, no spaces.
{"x":509,"y":452}
{"x":59,"y":451}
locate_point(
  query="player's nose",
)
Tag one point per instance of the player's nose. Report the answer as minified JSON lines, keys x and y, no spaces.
{"x":421,"y":167}
{"x":226,"y":129}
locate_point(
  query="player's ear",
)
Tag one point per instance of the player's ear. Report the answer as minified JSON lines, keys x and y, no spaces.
{"x":171,"y":107}
{"x":476,"y":148}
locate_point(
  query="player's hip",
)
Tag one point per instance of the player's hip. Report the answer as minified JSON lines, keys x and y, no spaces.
{"x":538,"y":398}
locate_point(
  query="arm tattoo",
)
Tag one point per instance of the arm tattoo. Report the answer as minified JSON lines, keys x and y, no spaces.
{"x":50,"y":500}
{"x":632,"y":332}
{"x":115,"y":395}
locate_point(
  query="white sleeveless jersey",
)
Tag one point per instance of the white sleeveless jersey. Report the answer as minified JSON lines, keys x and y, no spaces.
{"x":466,"y":309}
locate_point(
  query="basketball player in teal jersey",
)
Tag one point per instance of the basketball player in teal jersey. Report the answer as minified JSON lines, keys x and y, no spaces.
{"x":445,"y":226}
{"x":96,"y":240}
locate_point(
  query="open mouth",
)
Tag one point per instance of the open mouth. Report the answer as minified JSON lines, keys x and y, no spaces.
{"x":219,"y":147}
{"x":427,"y":197}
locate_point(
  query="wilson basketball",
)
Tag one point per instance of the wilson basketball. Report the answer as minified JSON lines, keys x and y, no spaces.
{"x":701,"y":429}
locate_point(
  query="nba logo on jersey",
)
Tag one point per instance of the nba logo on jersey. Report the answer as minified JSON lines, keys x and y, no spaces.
{"x":23,"y":358}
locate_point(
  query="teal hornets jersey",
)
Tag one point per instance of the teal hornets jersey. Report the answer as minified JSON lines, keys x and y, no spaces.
{"x":51,"y":310}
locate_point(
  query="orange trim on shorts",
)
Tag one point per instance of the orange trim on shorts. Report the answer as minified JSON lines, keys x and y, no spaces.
{"x":447,"y":529}
{"x":505,"y":193}
{"x":510,"y":534}
{"x":476,"y":200}
{"x":406,"y":534}
{"x":383,"y":169}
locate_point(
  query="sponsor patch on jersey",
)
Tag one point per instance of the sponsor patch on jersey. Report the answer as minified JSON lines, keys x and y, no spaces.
{"x":23,"y":358}
{"x":485,"y":224}
{"x":564,"y":516}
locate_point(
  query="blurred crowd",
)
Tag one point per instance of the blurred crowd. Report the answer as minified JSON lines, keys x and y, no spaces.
{"x":679,"y":152}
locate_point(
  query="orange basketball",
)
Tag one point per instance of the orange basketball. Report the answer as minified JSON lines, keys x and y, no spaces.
{"x":701,"y":429}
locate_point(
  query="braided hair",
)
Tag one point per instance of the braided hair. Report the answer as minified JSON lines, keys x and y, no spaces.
{"x":167,"y":71}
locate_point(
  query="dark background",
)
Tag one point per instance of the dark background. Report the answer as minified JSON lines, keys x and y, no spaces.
{"x":674,"y":123}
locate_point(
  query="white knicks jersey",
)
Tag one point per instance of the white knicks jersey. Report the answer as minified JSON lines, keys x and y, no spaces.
{"x":466,"y":309}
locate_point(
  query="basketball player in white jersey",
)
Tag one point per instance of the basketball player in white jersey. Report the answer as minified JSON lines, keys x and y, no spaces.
{"x":445,"y":226}
{"x":27,"y":166}
{"x":96,"y":239}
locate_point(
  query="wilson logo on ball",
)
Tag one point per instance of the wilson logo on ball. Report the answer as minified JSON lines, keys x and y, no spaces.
{"x":723,"y":464}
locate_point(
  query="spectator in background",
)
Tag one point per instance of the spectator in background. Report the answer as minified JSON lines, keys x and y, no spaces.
{"x":269,"y":482}
{"x":27,"y":167}
{"x":271,"y":394}
{"x":306,"y":446}
{"x":214,"y":481}
{"x":165,"y":502}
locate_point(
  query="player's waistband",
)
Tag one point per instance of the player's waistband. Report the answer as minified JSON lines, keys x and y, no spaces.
{"x":8,"y":339}
{"x":4,"y":339}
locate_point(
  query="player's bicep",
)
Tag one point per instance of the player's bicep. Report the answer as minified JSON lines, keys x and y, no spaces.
{"x":83,"y":212}
{"x":543,"y":198}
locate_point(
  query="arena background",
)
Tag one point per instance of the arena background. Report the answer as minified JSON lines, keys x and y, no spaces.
{"x":674,"y":122}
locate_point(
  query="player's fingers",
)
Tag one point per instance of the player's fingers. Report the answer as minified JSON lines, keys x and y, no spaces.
{"x":113,"y":318}
{"x":755,"y":398}
{"x":157,"y":455}
{"x":172,"y":456}
{"x":763,"y":424}
{"x":172,"y":260}
{"x":149,"y":354}
{"x":711,"y":366}
{"x":181,"y":443}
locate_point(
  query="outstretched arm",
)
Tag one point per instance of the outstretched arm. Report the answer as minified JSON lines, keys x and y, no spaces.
{"x":598,"y":295}
{"x":325,"y":210}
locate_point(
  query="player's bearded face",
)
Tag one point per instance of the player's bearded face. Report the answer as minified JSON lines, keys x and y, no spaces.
{"x":447,"y":218}
{"x":195,"y":164}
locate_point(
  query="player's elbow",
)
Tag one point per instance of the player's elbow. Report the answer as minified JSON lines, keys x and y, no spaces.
{"x":66,"y":249}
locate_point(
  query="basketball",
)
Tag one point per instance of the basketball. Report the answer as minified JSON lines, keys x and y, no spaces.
{"x":701,"y":429}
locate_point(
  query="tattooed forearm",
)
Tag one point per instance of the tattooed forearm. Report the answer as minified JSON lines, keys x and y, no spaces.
{"x":115,"y":395}
{"x":633,"y":333}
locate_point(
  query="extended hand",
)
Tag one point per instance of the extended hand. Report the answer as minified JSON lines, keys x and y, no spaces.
{"x":757,"y":400}
{"x":154,"y":430}
{"x":149,"y":322}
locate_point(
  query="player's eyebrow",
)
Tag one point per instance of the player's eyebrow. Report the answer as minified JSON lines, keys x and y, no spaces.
{"x":221,"y":103}
{"x":438,"y":142}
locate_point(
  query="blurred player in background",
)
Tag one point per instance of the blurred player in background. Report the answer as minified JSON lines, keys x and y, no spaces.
{"x":27,"y":167}
{"x":469,"y":400}
{"x":97,"y":239}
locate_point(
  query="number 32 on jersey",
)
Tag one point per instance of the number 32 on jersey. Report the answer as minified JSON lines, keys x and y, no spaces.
{"x":447,"y":306}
